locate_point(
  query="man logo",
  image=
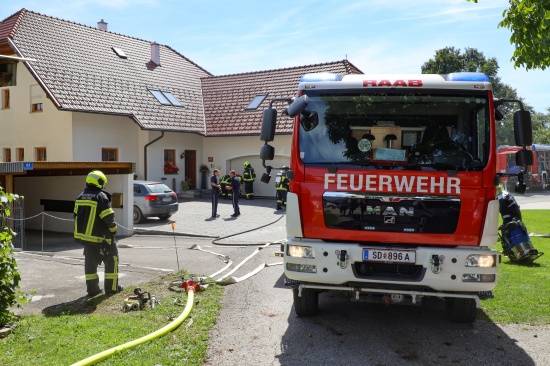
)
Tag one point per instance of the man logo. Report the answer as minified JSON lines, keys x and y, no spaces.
{"x":389,"y":219}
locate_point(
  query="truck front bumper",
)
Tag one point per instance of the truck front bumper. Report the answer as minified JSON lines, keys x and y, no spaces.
{"x":434,"y":271}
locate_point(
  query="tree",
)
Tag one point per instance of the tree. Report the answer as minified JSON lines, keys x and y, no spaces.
{"x":541,"y":127}
{"x":529,"y":21}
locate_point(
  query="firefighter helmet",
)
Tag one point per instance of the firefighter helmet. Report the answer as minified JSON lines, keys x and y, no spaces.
{"x":96,"y":179}
{"x":500,"y":189}
{"x":246,"y":163}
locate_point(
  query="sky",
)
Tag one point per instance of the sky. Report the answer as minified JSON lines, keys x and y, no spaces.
{"x":377,"y":36}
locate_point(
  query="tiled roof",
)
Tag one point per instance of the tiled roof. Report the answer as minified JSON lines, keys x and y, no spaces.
{"x":226,"y":97}
{"x":77,"y":65}
{"x":8,"y":25}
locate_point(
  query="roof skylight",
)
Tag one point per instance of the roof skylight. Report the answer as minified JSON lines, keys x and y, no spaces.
{"x":119,"y":52}
{"x":255,"y":103}
{"x":166,"y":97}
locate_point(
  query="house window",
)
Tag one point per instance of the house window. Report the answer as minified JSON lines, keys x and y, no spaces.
{"x":109,"y":154}
{"x":6,"y":99}
{"x":20,"y":154}
{"x":7,"y":155}
{"x":7,"y":72}
{"x":255,"y":103}
{"x":166,"y":97}
{"x":170,"y":162}
{"x":36,"y":107}
{"x":36,"y":95}
{"x":40,"y":154}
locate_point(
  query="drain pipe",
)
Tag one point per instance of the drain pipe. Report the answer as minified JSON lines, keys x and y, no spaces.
{"x":190,"y":287}
{"x":145,"y":154}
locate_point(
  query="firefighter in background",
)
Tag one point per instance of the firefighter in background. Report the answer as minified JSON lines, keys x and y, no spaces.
{"x":224,"y":182}
{"x":249,"y":176}
{"x":281,"y":188}
{"x":95,"y":229}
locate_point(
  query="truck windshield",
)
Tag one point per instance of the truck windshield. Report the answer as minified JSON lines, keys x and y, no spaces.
{"x":431,"y":130}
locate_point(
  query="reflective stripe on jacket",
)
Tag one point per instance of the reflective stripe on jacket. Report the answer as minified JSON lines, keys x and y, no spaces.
{"x":249,"y":175}
{"x":282,"y":185}
{"x":94,"y":219}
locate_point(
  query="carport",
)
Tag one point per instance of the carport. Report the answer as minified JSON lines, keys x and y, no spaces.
{"x":48,"y":190}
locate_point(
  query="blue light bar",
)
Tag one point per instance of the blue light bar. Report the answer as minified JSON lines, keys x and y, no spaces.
{"x":319,"y":76}
{"x":467,"y":76}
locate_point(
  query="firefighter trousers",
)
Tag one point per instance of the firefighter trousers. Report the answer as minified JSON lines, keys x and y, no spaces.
{"x":92,"y":259}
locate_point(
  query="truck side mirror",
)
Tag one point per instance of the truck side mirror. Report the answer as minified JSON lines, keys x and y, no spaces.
{"x":297,"y":106}
{"x":524,"y":157}
{"x":269,"y":122}
{"x":523,"y":128}
{"x":267,"y":152}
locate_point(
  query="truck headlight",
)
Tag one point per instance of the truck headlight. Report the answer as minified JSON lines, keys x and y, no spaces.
{"x":481,"y":260}
{"x":299,"y":251}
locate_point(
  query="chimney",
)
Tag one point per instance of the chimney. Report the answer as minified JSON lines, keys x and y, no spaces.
{"x":102,"y":25}
{"x":155,"y":53}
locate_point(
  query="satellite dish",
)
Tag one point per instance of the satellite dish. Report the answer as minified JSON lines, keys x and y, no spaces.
{"x":17,"y":58}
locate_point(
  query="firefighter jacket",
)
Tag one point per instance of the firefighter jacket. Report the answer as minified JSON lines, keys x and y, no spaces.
{"x":226,"y":179}
{"x":249,"y":175}
{"x":94,"y":219}
{"x":282,"y":184}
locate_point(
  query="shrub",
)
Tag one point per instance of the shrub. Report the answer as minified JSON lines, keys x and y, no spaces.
{"x":9,"y":273}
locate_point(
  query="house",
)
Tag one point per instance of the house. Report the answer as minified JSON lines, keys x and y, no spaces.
{"x":75,"y":93}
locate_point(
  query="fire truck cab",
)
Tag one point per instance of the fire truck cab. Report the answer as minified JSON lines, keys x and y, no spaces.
{"x":392,"y":188}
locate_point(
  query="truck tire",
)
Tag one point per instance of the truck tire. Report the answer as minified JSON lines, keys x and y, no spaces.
{"x":461,"y":310}
{"x":307,"y":304}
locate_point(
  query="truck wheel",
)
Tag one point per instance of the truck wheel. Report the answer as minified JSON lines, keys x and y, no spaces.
{"x":307,"y":304}
{"x":461,"y":310}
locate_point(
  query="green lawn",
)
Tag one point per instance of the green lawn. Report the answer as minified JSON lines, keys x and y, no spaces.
{"x":81,"y":330}
{"x":522,"y":292}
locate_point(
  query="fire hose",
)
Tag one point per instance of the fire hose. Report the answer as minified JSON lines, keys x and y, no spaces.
{"x":190,"y":287}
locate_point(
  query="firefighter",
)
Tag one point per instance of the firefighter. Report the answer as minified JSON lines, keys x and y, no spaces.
{"x":224,"y":182}
{"x":249,"y":176}
{"x":281,"y":188}
{"x":235,"y":187}
{"x":508,"y":206}
{"x":95,"y":229}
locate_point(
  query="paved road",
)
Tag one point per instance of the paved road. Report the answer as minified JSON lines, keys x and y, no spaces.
{"x":257,"y":325}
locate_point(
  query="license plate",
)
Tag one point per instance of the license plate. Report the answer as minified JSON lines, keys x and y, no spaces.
{"x":166,"y":199}
{"x":385,"y":255}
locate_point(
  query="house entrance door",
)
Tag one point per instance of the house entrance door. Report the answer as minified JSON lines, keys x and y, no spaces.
{"x":191,"y":167}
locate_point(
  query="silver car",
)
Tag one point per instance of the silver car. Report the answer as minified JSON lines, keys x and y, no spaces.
{"x":153,"y":199}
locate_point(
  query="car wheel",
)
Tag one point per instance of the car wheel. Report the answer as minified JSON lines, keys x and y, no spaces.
{"x":164,"y":217}
{"x":138,"y":216}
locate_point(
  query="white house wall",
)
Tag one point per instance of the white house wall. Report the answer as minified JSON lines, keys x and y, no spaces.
{"x":92,"y":132}
{"x":155,"y":156}
{"x":225,"y":149}
{"x":67,"y":188}
{"x":20,"y":128}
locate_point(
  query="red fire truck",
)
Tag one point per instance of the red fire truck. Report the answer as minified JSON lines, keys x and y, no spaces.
{"x":537,"y":176}
{"x":392,"y":188}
